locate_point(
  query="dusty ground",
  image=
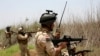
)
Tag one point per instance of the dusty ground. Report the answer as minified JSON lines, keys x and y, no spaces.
{"x":32,"y":53}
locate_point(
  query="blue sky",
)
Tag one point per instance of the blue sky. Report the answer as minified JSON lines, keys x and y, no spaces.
{"x":14,"y":12}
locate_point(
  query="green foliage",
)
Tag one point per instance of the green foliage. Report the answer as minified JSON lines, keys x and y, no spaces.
{"x":1,"y":31}
{"x":11,"y":50}
{"x":31,"y":46}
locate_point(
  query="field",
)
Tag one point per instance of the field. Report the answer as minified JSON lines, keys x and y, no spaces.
{"x":89,"y":29}
{"x":13,"y":50}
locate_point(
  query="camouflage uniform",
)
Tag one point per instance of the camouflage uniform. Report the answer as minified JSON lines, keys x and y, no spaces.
{"x":23,"y":43}
{"x":44,"y":46}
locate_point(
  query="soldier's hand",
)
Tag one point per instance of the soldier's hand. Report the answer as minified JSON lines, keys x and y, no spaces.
{"x":57,"y":34}
{"x":29,"y":34}
{"x":62,"y":44}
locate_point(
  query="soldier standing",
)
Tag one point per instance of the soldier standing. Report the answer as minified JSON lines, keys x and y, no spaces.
{"x":8,"y":34}
{"x":23,"y":42}
{"x":44,"y":45}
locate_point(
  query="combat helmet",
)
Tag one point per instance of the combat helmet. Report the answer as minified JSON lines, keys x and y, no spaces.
{"x":8,"y":28}
{"x":20,"y":28}
{"x":48,"y":17}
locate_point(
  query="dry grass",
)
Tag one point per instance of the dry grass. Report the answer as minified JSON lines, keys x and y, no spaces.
{"x":89,"y":30}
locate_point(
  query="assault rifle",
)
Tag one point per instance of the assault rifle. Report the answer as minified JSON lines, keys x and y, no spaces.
{"x":29,"y":33}
{"x":13,"y":32}
{"x":82,"y":52}
{"x":67,"y":39}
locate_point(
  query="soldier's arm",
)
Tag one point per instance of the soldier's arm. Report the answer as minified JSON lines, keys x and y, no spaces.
{"x":54,"y":51}
{"x":7,"y":32}
{"x":22,"y":36}
{"x":46,"y":45}
{"x":50,"y":48}
{"x":10,"y":32}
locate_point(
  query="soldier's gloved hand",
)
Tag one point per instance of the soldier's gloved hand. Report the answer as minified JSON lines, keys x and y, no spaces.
{"x":62,"y":45}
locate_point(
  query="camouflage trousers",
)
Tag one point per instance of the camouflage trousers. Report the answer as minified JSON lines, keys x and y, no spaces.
{"x":7,"y":42}
{"x":24,"y":50}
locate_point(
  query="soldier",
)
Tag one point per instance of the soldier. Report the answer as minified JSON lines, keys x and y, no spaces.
{"x":23,"y":42}
{"x":8,"y":34}
{"x":44,"y":45}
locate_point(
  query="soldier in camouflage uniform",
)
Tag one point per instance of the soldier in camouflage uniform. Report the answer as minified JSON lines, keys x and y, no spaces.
{"x":44,"y":45}
{"x":23,"y":42}
{"x":8,"y":34}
